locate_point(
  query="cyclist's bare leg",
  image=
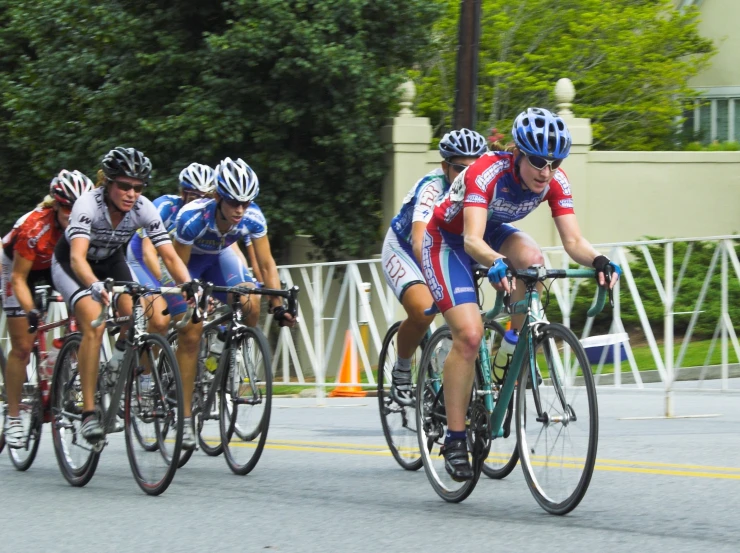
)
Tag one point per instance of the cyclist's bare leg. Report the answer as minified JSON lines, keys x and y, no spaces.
{"x":522,"y":251}
{"x":15,"y":371}
{"x":188,"y":345}
{"x":415,"y":300}
{"x":459,"y":370}
{"x":250,"y":305}
{"x":86,"y":311}
{"x":154,"y":308}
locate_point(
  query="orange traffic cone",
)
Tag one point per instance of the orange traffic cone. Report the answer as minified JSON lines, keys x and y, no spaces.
{"x":348,"y":371}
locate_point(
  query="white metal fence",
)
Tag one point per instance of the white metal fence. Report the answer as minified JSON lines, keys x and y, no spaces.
{"x":334,"y":302}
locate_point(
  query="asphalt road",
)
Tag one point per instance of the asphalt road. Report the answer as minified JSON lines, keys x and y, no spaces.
{"x":327,"y":483}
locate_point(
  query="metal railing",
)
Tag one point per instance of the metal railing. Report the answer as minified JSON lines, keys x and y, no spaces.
{"x":334,"y":302}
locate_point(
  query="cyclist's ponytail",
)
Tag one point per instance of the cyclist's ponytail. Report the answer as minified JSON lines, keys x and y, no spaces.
{"x":100,"y":179}
{"x":47,"y":202}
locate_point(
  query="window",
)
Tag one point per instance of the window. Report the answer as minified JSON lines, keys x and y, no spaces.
{"x":714,"y":119}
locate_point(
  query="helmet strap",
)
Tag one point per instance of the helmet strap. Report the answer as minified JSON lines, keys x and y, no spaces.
{"x":517,"y":169}
{"x":111,"y":205}
{"x":221,"y":213}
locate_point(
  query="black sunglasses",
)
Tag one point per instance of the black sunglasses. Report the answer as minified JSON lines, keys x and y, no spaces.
{"x":540,"y":163}
{"x":459,"y":167}
{"x":125,"y":186}
{"x":236,"y":203}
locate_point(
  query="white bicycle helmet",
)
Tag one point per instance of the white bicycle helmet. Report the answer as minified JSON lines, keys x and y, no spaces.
{"x":236,"y":180}
{"x":462,"y":143}
{"x":67,"y":186}
{"x":199,"y":178}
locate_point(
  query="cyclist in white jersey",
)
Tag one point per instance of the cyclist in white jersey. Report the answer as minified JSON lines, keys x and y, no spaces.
{"x":101,"y":223}
{"x":401,"y":254}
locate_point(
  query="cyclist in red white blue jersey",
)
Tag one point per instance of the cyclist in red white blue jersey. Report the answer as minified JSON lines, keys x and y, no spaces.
{"x":473,"y":224}
{"x":401,"y":254}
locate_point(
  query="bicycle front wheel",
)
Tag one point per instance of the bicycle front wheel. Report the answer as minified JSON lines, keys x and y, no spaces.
{"x":154,"y":415}
{"x":76,"y":457}
{"x":31,"y":413}
{"x":557,"y":421}
{"x":431,"y":420}
{"x":246,"y":400}
{"x":398,"y":421}
{"x":503,"y":454}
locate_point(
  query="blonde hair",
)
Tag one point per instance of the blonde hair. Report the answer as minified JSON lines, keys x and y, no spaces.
{"x":101,"y":178}
{"x":501,"y":146}
{"x":47,"y":202}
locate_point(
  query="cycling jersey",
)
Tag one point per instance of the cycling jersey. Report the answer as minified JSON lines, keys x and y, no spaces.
{"x":418,"y":205}
{"x":493,"y":183}
{"x":90,"y":219}
{"x":33,"y":237}
{"x":196,"y":227}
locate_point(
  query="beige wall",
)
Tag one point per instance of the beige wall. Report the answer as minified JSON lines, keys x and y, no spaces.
{"x":719,"y":21}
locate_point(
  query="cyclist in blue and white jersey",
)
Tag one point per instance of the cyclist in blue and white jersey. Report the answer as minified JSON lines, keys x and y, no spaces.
{"x":204,"y":233}
{"x":401,"y":254}
{"x":102,"y":221}
{"x":196,"y":181}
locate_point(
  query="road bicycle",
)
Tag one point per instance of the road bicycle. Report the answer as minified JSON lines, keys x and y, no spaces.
{"x":152,"y":406}
{"x":555,"y":411}
{"x":233,"y":383}
{"x":34,"y":407}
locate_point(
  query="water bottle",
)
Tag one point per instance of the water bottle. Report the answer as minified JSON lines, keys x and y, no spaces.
{"x":506,"y":350}
{"x":215,"y":348}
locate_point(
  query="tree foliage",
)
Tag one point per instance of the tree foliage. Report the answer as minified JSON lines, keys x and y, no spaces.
{"x":629,"y":60}
{"x":298,"y":88}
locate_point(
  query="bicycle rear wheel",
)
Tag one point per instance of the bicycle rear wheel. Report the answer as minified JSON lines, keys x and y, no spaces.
{"x":156,"y":415}
{"x":503,"y":454}
{"x":246,"y":401}
{"x":431,"y":420}
{"x":557,"y":421}
{"x":398,"y":421}
{"x":76,"y":457}
{"x":207,"y":425}
{"x":30,"y":410}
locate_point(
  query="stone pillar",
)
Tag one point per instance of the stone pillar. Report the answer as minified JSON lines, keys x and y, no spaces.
{"x":576,"y":166}
{"x":409,"y":138}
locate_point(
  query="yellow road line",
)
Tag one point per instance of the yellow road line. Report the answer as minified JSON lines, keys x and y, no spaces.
{"x":611,"y":465}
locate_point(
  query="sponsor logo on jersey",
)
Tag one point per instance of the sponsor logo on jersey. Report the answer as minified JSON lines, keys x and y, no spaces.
{"x":487,"y":177}
{"x":434,"y":287}
{"x":153,"y":227}
{"x":566,"y":203}
{"x":463,"y":289}
{"x":563,"y":182}
{"x":476,"y":199}
{"x":84,"y":219}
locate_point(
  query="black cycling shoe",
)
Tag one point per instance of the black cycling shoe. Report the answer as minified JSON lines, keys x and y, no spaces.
{"x":457,"y":464}
{"x":402,"y":390}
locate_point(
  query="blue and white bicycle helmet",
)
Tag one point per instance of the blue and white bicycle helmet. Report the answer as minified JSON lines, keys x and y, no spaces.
{"x":462,"y":143}
{"x":539,"y":132}
{"x":199,"y":178}
{"x":236,"y":180}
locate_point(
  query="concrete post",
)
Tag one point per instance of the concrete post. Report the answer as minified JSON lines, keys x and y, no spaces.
{"x":576,"y":166}
{"x":409,"y":138}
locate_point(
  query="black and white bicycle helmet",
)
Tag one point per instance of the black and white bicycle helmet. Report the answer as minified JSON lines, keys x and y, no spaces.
{"x":126,"y":162}
{"x":67,"y":186}
{"x":199,"y":178}
{"x":462,"y":143}
{"x":236,"y":180}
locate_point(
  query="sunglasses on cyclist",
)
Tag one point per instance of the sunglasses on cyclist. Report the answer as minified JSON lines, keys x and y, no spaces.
{"x":459,"y":167}
{"x":125,"y":186}
{"x":540,"y":163}
{"x":236,"y":203}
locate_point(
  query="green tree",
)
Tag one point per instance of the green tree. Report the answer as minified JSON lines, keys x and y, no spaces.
{"x":297,"y":88}
{"x":629,"y":60}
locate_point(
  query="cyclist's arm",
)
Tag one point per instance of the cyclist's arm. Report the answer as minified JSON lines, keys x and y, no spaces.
{"x":149,"y":253}
{"x":78,"y":261}
{"x":576,"y":246}
{"x":174,"y":262}
{"x":417,"y":238}
{"x":253,"y":263}
{"x":267,"y":266}
{"x":182,"y":251}
{"x":474,"y":220}
{"x":19,"y":279}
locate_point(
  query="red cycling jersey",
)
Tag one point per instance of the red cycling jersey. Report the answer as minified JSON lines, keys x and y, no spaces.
{"x":34,"y":237}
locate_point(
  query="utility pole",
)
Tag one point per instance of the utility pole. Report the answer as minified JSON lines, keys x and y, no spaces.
{"x":466,"y":78}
